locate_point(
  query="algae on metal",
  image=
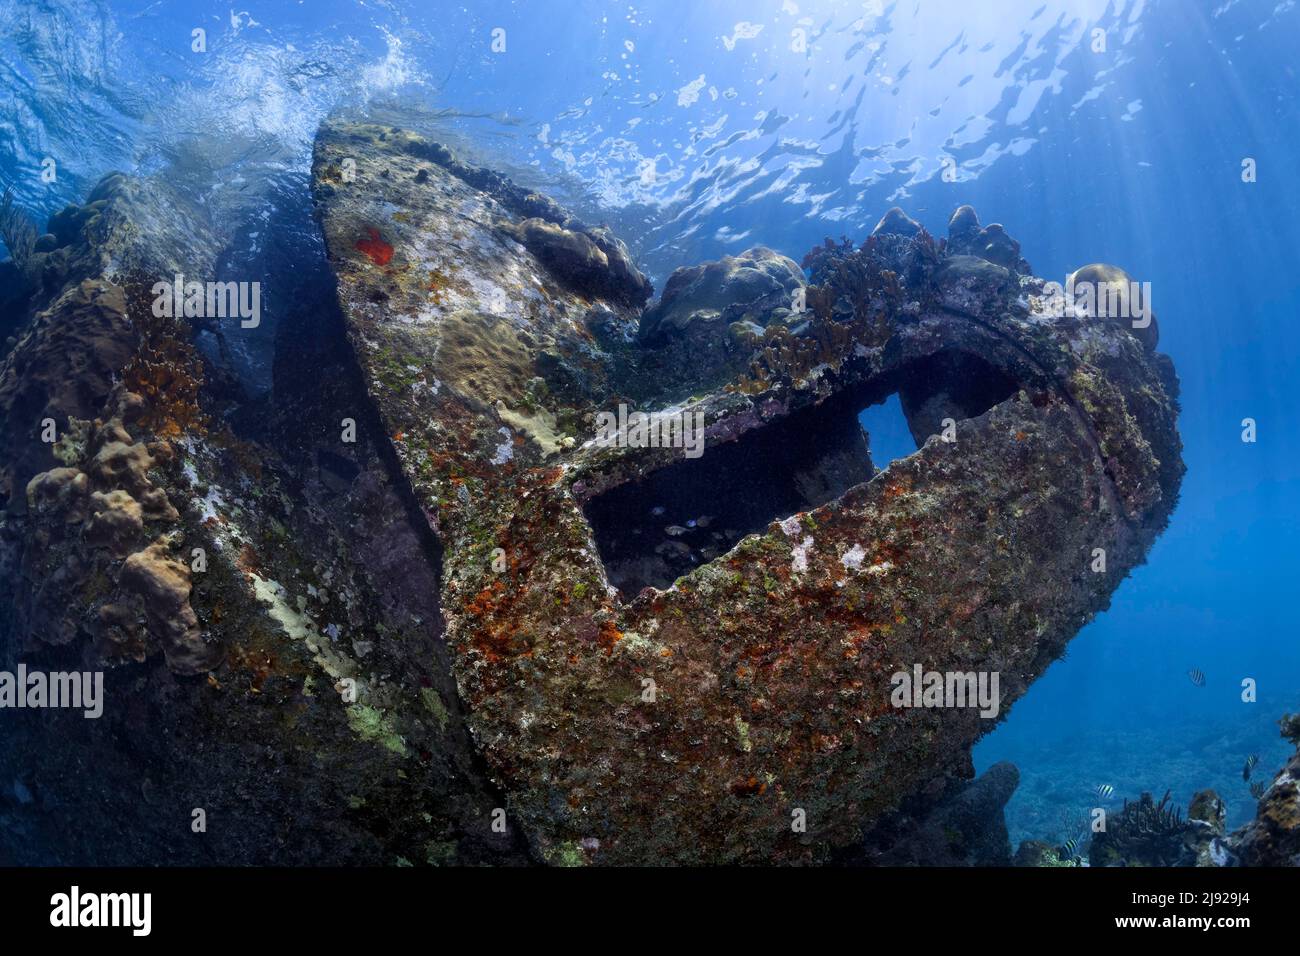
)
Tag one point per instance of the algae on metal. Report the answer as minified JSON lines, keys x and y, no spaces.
{"x":771,"y":662}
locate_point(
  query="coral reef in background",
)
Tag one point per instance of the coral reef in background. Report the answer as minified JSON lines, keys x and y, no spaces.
{"x":1273,"y":837}
{"x":1147,"y":832}
{"x":1061,"y":770}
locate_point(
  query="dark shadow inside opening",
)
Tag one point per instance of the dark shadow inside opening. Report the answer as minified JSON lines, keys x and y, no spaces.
{"x":651,"y":531}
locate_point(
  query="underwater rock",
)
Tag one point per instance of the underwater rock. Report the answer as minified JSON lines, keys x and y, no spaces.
{"x":965,"y":826}
{"x":1151,"y":833}
{"x":163,"y":584}
{"x":972,"y":284}
{"x":896,"y":223}
{"x":1206,"y":816}
{"x":966,"y":237}
{"x":587,"y":261}
{"x":1125,"y":300}
{"x":1208,"y":808}
{"x":740,"y":712}
{"x":1273,"y":837}
{"x":993,"y":243}
{"x":1038,"y":853}
{"x":92,"y":520}
{"x":751,"y":287}
{"x":963,"y":226}
{"x":62,"y":368}
{"x":703,"y":329}
{"x":710,"y":317}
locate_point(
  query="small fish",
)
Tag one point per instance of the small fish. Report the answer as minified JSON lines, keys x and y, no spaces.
{"x":704,"y":520}
{"x":1105,"y":791}
{"x":1198,"y":676}
{"x":674,"y":530}
{"x":1257,"y":789}
{"x":691,"y":523}
{"x":1068,"y":848}
{"x":658,"y":510}
{"x":1250,"y":765}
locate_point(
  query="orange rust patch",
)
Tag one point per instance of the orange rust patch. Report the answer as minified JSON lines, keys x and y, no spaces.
{"x":746,"y":787}
{"x":166,"y":371}
{"x":248,"y":561}
{"x":893,"y":491}
{"x":482,"y":604}
{"x":547,"y":476}
{"x":609,"y":636}
{"x":259,"y":665}
{"x":495,"y":636}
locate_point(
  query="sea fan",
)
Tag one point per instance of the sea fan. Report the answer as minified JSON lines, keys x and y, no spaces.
{"x":1145,"y":833}
{"x":17,"y":231}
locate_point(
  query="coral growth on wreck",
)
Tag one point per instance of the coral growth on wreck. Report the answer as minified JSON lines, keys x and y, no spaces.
{"x":812,"y":580}
{"x":419,"y":606}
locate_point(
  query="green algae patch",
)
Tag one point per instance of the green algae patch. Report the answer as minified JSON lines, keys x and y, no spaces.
{"x":433,"y":704}
{"x":541,"y":427}
{"x":566,"y":854}
{"x":370,"y":723}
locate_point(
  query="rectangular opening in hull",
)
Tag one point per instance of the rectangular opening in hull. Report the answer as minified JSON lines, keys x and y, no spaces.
{"x":652,"y":531}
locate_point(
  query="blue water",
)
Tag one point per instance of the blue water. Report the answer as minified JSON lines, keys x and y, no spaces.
{"x":704,"y":128}
{"x":887,"y":431}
